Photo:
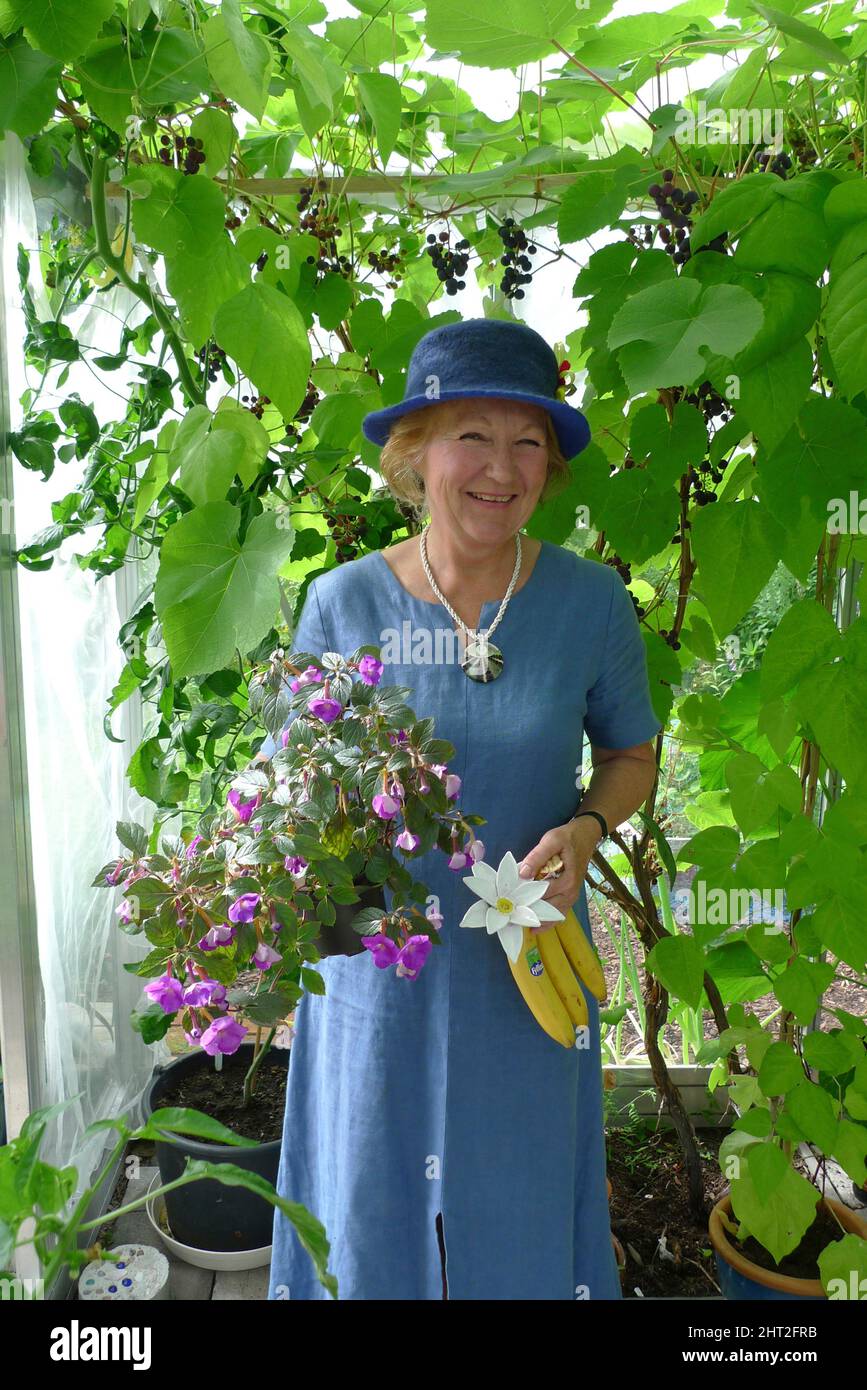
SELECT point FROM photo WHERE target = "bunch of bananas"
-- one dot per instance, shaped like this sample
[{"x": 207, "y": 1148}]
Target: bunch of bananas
[{"x": 552, "y": 966}]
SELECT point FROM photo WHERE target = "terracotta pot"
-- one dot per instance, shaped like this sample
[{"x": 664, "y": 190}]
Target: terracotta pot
[{"x": 740, "y": 1278}]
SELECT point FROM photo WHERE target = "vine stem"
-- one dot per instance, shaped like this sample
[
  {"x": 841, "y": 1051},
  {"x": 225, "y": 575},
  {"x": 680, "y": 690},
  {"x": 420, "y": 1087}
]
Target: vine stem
[{"x": 139, "y": 287}]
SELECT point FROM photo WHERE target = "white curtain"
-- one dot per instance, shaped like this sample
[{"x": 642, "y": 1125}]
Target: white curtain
[{"x": 71, "y": 660}]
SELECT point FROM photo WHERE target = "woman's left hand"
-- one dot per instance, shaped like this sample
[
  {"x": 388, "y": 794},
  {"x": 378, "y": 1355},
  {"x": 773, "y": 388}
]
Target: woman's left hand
[{"x": 575, "y": 843}]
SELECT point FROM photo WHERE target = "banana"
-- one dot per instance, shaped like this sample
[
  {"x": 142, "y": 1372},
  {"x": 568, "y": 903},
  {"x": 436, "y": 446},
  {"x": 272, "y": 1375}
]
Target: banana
[
  {"x": 540, "y": 994},
  {"x": 582, "y": 956},
  {"x": 557, "y": 964}
]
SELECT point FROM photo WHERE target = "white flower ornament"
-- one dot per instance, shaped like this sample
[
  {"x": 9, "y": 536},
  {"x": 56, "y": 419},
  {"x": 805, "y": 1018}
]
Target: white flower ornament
[{"x": 509, "y": 903}]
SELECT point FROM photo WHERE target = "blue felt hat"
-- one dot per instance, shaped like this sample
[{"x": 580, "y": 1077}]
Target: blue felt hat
[{"x": 484, "y": 357}]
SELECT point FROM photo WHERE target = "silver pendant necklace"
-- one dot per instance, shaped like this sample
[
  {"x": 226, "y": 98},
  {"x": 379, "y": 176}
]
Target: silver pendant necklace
[{"x": 481, "y": 661}]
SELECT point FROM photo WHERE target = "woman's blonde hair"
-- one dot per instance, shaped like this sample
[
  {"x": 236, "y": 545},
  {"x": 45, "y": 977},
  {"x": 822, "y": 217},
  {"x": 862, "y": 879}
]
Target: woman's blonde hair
[{"x": 403, "y": 453}]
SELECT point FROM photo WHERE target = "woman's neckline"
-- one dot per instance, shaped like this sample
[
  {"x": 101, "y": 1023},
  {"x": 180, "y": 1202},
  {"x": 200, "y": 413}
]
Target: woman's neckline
[{"x": 493, "y": 603}]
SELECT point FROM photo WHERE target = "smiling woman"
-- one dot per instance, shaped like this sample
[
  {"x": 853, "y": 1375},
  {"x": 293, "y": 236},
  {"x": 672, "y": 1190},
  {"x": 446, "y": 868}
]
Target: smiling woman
[
  {"x": 450, "y": 1145},
  {"x": 403, "y": 453}
]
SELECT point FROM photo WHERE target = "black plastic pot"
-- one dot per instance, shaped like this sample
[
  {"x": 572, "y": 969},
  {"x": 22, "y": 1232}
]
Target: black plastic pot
[
  {"x": 339, "y": 939},
  {"x": 209, "y": 1214}
]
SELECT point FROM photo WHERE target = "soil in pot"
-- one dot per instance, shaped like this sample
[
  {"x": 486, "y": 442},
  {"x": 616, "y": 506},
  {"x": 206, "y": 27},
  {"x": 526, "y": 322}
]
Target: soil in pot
[
  {"x": 220, "y": 1095},
  {"x": 803, "y": 1261}
]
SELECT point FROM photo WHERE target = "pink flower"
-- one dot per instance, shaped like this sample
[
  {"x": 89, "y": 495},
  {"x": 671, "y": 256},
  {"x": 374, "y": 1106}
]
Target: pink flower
[
  {"x": 243, "y": 809},
  {"x": 126, "y": 912},
  {"x": 384, "y": 951},
  {"x": 458, "y": 860},
  {"x": 203, "y": 993},
  {"x": 435, "y": 918},
  {"x": 217, "y": 936},
  {"x": 167, "y": 992},
  {"x": 243, "y": 909},
  {"x": 225, "y": 1035},
  {"x": 370, "y": 670},
  {"x": 385, "y": 806},
  {"x": 412, "y": 956},
  {"x": 265, "y": 956},
  {"x": 308, "y": 677},
  {"x": 453, "y": 785},
  {"x": 476, "y": 850},
  {"x": 194, "y": 1037},
  {"x": 325, "y": 709},
  {"x": 193, "y": 846},
  {"x": 295, "y": 864},
  {"x": 407, "y": 840}
]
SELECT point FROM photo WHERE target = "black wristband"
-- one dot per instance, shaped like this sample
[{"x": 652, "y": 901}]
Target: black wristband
[{"x": 596, "y": 816}]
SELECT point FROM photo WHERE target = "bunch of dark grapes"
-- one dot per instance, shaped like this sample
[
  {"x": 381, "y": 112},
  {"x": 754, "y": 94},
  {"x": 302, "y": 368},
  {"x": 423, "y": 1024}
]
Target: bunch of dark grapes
[
  {"x": 625, "y": 572},
  {"x": 710, "y": 402},
  {"x": 215, "y": 357},
  {"x": 256, "y": 404},
  {"x": 674, "y": 206},
  {"x": 516, "y": 258},
  {"x": 778, "y": 164},
  {"x": 670, "y": 638},
  {"x": 386, "y": 262},
  {"x": 347, "y": 530},
  {"x": 448, "y": 264},
  {"x": 189, "y": 153},
  {"x": 306, "y": 193},
  {"x": 309, "y": 403}
]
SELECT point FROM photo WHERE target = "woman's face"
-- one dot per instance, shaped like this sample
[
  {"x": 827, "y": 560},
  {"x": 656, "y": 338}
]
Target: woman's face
[{"x": 489, "y": 446}]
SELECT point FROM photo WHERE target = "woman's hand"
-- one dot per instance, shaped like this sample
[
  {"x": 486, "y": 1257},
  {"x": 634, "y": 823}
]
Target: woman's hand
[{"x": 574, "y": 842}]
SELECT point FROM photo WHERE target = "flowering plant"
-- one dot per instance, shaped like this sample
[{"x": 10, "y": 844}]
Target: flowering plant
[{"x": 233, "y": 912}]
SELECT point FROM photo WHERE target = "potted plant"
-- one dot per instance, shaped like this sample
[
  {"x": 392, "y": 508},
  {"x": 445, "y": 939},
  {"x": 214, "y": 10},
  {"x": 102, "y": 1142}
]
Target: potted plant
[
  {"x": 238, "y": 914},
  {"x": 38, "y": 1194}
]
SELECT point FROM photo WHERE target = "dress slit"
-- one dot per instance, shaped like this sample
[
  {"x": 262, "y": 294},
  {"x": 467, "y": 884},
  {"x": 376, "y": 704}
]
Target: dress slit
[{"x": 442, "y": 1248}]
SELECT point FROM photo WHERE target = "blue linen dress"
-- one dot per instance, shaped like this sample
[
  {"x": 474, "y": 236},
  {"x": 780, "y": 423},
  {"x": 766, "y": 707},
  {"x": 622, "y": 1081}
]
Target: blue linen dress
[{"x": 406, "y": 1098}]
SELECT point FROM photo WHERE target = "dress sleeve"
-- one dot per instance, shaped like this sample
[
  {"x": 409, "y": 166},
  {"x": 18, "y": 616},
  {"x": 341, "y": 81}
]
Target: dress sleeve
[
  {"x": 619, "y": 708},
  {"x": 309, "y": 636}
]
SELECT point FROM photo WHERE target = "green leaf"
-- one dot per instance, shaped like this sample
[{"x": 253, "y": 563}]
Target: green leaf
[
  {"x": 736, "y": 204},
  {"x": 596, "y": 199},
  {"x": 800, "y": 986},
  {"x": 780, "y": 1070},
  {"x": 737, "y": 546},
  {"x": 175, "y": 213},
  {"x": 215, "y": 595},
  {"x": 661, "y": 331},
  {"x": 199, "y": 293},
  {"x": 239, "y": 59},
  {"x": 669, "y": 445},
  {"x": 636, "y": 515},
  {"x": 754, "y": 793},
  {"x": 505, "y": 33},
  {"x": 777, "y": 1205},
  {"x": 789, "y": 236},
  {"x": 28, "y": 87},
  {"x": 380, "y": 93},
  {"x": 813, "y": 1112},
  {"x": 805, "y": 636},
  {"x": 825, "y": 48},
  {"x": 846, "y": 327},
  {"x": 843, "y": 1267},
  {"x": 678, "y": 962},
  {"x": 133, "y": 836},
  {"x": 63, "y": 28},
  {"x": 772, "y": 393},
  {"x": 265, "y": 334},
  {"x": 833, "y": 702},
  {"x": 208, "y": 458}
]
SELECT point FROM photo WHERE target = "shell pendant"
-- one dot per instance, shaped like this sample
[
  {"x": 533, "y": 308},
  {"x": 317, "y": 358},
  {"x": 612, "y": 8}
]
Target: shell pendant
[{"x": 481, "y": 661}]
